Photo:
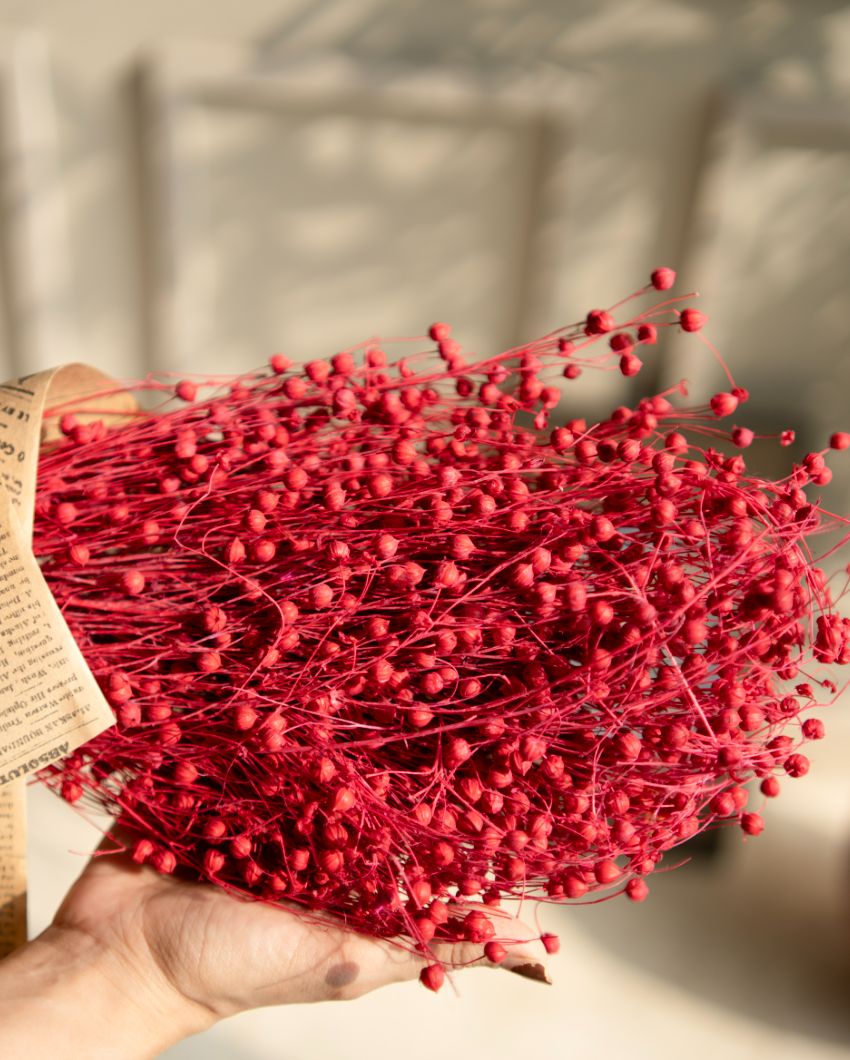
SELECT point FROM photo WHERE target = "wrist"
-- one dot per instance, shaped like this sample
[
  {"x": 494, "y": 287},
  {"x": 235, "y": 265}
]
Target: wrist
[{"x": 70, "y": 994}]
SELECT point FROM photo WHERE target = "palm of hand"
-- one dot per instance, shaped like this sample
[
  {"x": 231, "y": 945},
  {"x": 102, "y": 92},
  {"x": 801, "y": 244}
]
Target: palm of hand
[
  {"x": 220, "y": 952},
  {"x": 224, "y": 954}
]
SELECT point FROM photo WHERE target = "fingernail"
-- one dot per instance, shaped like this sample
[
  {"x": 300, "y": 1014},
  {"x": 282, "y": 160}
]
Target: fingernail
[{"x": 531, "y": 971}]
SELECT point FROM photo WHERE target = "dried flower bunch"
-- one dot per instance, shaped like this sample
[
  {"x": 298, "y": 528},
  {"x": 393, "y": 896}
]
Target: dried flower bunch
[{"x": 377, "y": 637}]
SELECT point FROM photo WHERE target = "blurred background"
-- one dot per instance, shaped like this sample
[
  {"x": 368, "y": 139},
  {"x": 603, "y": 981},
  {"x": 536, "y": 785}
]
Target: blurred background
[{"x": 196, "y": 185}]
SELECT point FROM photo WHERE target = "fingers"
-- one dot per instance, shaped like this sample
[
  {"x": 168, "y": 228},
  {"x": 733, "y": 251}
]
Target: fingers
[{"x": 513, "y": 946}]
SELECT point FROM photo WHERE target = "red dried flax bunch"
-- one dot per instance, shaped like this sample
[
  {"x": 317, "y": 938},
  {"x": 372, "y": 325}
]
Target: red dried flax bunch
[{"x": 374, "y": 645}]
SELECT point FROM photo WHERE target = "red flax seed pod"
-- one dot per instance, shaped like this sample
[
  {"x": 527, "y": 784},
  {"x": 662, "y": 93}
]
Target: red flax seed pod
[
  {"x": 663, "y": 279},
  {"x": 692, "y": 320},
  {"x": 388, "y": 637},
  {"x": 432, "y": 976}
]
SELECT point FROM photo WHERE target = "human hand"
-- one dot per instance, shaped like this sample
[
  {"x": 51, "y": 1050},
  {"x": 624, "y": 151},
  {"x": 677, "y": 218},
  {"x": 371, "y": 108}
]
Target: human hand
[{"x": 142, "y": 959}]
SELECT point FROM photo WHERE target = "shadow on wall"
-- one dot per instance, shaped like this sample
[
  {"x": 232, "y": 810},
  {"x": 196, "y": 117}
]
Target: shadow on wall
[
  {"x": 310, "y": 234},
  {"x": 497, "y": 39}
]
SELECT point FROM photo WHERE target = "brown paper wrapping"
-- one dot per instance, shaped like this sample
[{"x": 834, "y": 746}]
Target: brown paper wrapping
[{"x": 50, "y": 703}]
